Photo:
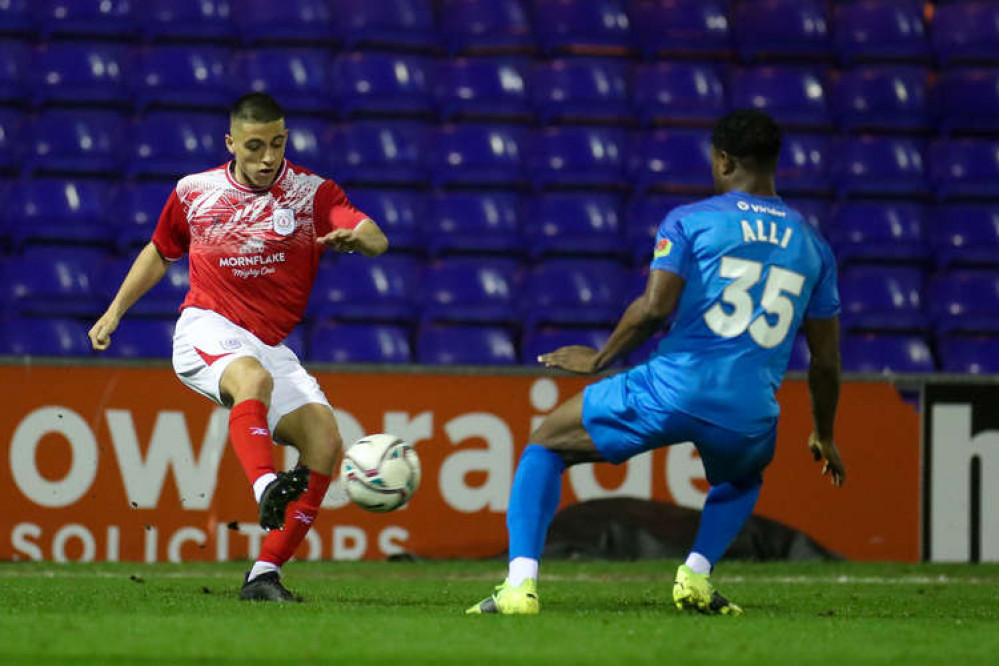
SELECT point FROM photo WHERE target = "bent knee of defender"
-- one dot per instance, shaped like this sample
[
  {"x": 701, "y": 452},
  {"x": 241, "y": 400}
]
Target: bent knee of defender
[{"x": 246, "y": 379}]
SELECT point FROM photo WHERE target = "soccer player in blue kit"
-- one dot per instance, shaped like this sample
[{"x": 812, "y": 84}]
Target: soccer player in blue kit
[{"x": 743, "y": 271}]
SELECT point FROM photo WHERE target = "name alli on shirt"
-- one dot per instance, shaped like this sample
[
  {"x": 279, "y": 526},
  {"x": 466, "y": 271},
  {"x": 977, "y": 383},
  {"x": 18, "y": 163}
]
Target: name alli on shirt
[{"x": 761, "y": 233}]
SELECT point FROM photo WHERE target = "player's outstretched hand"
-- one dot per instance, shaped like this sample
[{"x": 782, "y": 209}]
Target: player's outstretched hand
[
  {"x": 574, "y": 358},
  {"x": 342, "y": 240},
  {"x": 827, "y": 452},
  {"x": 100, "y": 333}
]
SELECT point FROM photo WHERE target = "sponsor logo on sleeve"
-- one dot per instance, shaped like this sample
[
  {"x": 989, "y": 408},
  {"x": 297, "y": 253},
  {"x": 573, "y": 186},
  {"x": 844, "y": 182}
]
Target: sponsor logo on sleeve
[{"x": 663, "y": 248}]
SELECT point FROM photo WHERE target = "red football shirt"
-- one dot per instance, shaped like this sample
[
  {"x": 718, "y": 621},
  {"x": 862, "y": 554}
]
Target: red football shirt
[{"x": 253, "y": 252}]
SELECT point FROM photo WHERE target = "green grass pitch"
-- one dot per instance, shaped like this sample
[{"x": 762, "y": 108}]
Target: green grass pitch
[{"x": 411, "y": 613}]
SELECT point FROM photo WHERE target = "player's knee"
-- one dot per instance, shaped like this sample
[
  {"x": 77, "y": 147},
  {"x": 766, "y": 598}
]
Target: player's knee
[{"x": 257, "y": 382}]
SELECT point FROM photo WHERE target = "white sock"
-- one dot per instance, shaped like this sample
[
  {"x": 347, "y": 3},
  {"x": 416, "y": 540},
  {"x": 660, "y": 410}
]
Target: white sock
[
  {"x": 262, "y": 568},
  {"x": 698, "y": 563},
  {"x": 262, "y": 481},
  {"x": 522, "y": 568}
]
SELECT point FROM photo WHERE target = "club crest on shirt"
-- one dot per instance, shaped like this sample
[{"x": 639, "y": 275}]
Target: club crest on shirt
[{"x": 284, "y": 221}]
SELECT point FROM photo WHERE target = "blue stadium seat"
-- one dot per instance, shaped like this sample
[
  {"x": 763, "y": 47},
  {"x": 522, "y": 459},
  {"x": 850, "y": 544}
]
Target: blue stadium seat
[
  {"x": 393, "y": 24},
  {"x": 582, "y": 156},
  {"x": 967, "y": 100},
  {"x": 401, "y": 214},
  {"x": 187, "y": 20},
  {"x": 965, "y": 168},
  {"x": 171, "y": 145},
  {"x": 58, "y": 211},
  {"x": 56, "y": 281},
  {"x": 878, "y": 231},
  {"x": 307, "y": 142},
  {"x": 575, "y": 292},
  {"x": 881, "y": 298},
  {"x": 135, "y": 209},
  {"x": 581, "y": 90},
  {"x": 545, "y": 339},
  {"x": 362, "y": 288},
  {"x": 794, "y": 96},
  {"x": 769, "y": 29},
  {"x": 85, "y": 18},
  {"x": 582, "y": 26},
  {"x": 11, "y": 146},
  {"x": 381, "y": 83},
  {"x": 296, "y": 342},
  {"x": 677, "y": 159},
  {"x": 814, "y": 212},
  {"x": 43, "y": 337},
  {"x": 645, "y": 214},
  {"x": 965, "y": 301},
  {"x": 485, "y": 26},
  {"x": 332, "y": 342},
  {"x": 803, "y": 165},
  {"x": 16, "y": 18},
  {"x": 75, "y": 142},
  {"x": 967, "y": 354},
  {"x": 476, "y": 155},
  {"x": 378, "y": 153},
  {"x": 882, "y": 98},
  {"x": 471, "y": 290},
  {"x": 573, "y": 224},
  {"x": 873, "y": 165},
  {"x": 800, "y": 355},
  {"x": 465, "y": 345},
  {"x": 875, "y": 353},
  {"x": 482, "y": 89},
  {"x": 79, "y": 73},
  {"x": 474, "y": 222},
  {"x": 678, "y": 92},
  {"x": 142, "y": 338},
  {"x": 966, "y": 32},
  {"x": 297, "y": 78},
  {"x": 871, "y": 30},
  {"x": 15, "y": 58},
  {"x": 163, "y": 300},
  {"x": 965, "y": 234},
  {"x": 261, "y": 21},
  {"x": 187, "y": 76},
  {"x": 681, "y": 27}
]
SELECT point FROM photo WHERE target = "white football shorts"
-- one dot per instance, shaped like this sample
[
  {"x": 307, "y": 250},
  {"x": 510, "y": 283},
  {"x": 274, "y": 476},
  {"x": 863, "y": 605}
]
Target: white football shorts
[{"x": 205, "y": 343}]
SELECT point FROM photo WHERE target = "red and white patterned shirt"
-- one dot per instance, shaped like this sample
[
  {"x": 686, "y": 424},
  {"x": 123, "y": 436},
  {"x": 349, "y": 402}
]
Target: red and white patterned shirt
[{"x": 253, "y": 252}]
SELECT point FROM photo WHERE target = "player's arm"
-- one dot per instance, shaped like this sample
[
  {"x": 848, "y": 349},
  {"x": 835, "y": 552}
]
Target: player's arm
[
  {"x": 147, "y": 269},
  {"x": 366, "y": 238},
  {"x": 823, "y": 386},
  {"x": 640, "y": 321}
]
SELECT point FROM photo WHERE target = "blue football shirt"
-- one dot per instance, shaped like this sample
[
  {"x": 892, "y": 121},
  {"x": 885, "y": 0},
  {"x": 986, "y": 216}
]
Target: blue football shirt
[{"x": 753, "y": 269}]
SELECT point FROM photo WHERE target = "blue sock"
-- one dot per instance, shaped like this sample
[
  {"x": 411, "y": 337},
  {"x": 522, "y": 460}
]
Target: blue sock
[
  {"x": 537, "y": 488},
  {"x": 728, "y": 507}
]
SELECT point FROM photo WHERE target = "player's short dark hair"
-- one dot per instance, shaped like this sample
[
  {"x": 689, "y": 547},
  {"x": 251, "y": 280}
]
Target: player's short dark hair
[
  {"x": 255, "y": 107},
  {"x": 751, "y": 137}
]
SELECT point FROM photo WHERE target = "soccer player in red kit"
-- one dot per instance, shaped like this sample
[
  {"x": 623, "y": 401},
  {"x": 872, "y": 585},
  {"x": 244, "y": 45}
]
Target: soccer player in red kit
[{"x": 254, "y": 228}]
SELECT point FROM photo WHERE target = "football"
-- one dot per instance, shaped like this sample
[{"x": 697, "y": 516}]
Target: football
[{"x": 380, "y": 472}]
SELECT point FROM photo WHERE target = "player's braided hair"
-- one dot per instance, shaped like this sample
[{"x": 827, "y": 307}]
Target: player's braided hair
[
  {"x": 751, "y": 137},
  {"x": 255, "y": 107}
]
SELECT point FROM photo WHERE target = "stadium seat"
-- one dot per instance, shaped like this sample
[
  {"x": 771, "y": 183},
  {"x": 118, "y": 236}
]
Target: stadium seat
[
  {"x": 678, "y": 92},
  {"x": 485, "y": 26},
  {"x": 362, "y": 288},
  {"x": 769, "y": 29},
  {"x": 187, "y": 20},
  {"x": 874, "y": 353},
  {"x": 581, "y": 90},
  {"x": 582, "y": 26},
  {"x": 401, "y": 214},
  {"x": 803, "y": 165},
  {"x": 681, "y": 27},
  {"x": 882, "y": 98},
  {"x": 573, "y": 224},
  {"x": 171, "y": 145},
  {"x": 966, "y": 32},
  {"x": 85, "y": 18},
  {"x": 575, "y": 292},
  {"x": 671, "y": 159},
  {"x": 476, "y": 155},
  {"x": 378, "y": 153},
  {"x": 965, "y": 168},
  {"x": 79, "y": 73},
  {"x": 878, "y": 231},
  {"x": 262, "y": 21},
  {"x": 43, "y": 337},
  {"x": 11, "y": 147},
  {"x": 967, "y": 100},
  {"x": 973, "y": 355},
  {"x": 470, "y": 290},
  {"x": 879, "y": 165},
  {"x": 332, "y": 342},
  {"x": 800, "y": 357},
  {"x": 135, "y": 210},
  {"x": 307, "y": 142},
  {"x": 380, "y": 83},
  {"x": 58, "y": 211},
  {"x": 794, "y": 96},
  {"x": 15, "y": 58},
  {"x": 163, "y": 300},
  {"x": 474, "y": 222},
  {"x": 814, "y": 212},
  {"x": 645, "y": 214},
  {"x": 142, "y": 338},
  {"x": 965, "y": 301},
  {"x": 965, "y": 234},
  {"x": 580, "y": 156},
  {"x": 78, "y": 142},
  {"x": 394, "y": 24},
  {"x": 872, "y": 30},
  {"x": 56, "y": 281},
  {"x": 297, "y": 78},
  {"x": 879, "y": 298},
  {"x": 545, "y": 339},
  {"x": 186, "y": 76},
  {"x": 465, "y": 345},
  {"x": 482, "y": 89},
  {"x": 16, "y": 17}
]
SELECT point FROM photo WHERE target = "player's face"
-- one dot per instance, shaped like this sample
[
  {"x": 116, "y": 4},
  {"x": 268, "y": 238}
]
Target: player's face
[{"x": 258, "y": 149}]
